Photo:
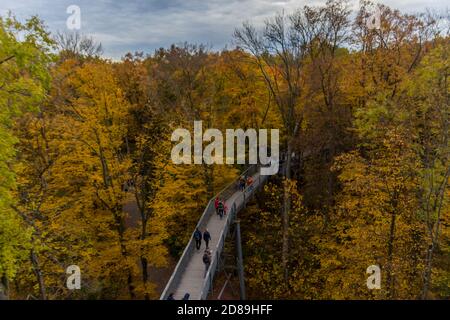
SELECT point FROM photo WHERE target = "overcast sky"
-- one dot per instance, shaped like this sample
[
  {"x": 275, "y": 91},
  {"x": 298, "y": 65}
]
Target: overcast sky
[{"x": 145, "y": 25}]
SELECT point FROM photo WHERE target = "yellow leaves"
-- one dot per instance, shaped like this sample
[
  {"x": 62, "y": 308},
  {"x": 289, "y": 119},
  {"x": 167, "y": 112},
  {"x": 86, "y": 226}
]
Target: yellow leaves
[
  {"x": 76, "y": 181},
  {"x": 183, "y": 195},
  {"x": 105, "y": 128},
  {"x": 377, "y": 209},
  {"x": 263, "y": 245}
]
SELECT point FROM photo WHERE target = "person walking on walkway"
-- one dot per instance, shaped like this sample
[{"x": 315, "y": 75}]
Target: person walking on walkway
[
  {"x": 171, "y": 297},
  {"x": 242, "y": 183},
  {"x": 220, "y": 209},
  {"x": 207, "y": 260},
  {"x": 250, "y": 183},
  {"x": 216, "y": 204},
  {"x": 198, "y": 238},
  {"x": 206, "y": 237}
]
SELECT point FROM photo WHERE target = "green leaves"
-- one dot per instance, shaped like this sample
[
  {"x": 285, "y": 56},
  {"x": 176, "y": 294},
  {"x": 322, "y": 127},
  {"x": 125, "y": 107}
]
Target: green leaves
[{"x": 24, "y": 78}]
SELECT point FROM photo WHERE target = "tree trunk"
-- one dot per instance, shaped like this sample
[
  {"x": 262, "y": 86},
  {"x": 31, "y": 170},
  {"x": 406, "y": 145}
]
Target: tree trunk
[
  {"x": 427, "y": 274},
  {"x": 390, "y": 277},
  {"x": 4, "y": 288},
  {"x": 144, "y": 265},
  {"x": 144, "y": 261},
  {"x": 285, "y": 214},
  {"x": 130, "y": 284},
  {"x": 434, "y": 237},
  {"x": 38, "y": 272},
  {"x": 121, "y": 230}
]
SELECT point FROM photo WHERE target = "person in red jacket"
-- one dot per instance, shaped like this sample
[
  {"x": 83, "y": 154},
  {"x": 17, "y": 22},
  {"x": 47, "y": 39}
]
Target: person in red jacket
[{"x": 216, "y": 204}]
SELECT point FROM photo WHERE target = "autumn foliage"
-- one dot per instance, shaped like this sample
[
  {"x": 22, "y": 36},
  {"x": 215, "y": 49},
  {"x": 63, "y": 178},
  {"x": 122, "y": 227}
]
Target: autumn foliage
[{"x": 86, "y": 176}]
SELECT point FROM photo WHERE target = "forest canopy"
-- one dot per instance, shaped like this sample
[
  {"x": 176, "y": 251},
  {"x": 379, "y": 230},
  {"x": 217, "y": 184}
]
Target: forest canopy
[{"x": 86, "y": 177}]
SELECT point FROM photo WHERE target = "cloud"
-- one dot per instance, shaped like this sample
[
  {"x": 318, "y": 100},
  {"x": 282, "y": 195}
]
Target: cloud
[{"x": 143, "y": 25}]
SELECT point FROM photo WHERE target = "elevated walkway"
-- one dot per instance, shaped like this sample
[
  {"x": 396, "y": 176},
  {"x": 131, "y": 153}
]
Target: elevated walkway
[{"x": 189, "y": 274}]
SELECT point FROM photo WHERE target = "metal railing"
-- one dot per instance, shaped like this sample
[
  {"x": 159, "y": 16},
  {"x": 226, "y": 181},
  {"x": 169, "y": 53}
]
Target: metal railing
[{"x": 225, "y": 193}]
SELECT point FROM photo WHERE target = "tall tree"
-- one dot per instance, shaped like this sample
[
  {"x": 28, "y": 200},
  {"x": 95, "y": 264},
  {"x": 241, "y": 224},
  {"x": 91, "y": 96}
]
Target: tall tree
[
  {"x": 24, "y": 58},
  {"x": 280, "y": 52}
]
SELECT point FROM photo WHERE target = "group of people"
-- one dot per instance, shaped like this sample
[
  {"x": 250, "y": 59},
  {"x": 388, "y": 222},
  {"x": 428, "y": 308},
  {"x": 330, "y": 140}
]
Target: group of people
[
  {"x": 221, "y": 207},
  {"x": 206, "y": 236},
  {"x": 221, "y": 210},
  {"x": 245, "y": 182},
  {"x": 171, "y": 296},
  {"x": 198, "y": 236}
]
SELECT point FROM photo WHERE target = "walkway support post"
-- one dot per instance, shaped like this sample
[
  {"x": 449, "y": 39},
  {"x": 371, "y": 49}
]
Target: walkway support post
[{"x": 240, "y": 262}]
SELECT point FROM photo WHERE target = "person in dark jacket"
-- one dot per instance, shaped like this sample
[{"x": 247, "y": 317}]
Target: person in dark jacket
[
  {"x": 207, "y": 260},
  {"x": 206, "y": 237},
  {"x": 221, "y": 209},
  {"x": 242, "y": 183},
  {"x": 198, "y": 238},
  {"x": 170, "y": 297},
  {"x": 186, "y": 296}
]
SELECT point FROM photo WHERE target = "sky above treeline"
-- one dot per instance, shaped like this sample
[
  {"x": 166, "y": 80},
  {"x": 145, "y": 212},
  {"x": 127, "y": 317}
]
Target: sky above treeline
[{"x": 145, "y": 25}]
